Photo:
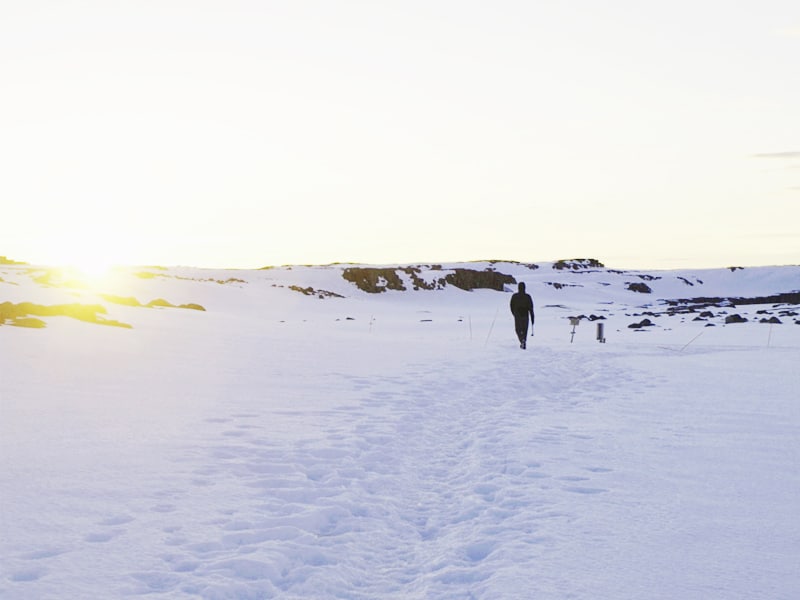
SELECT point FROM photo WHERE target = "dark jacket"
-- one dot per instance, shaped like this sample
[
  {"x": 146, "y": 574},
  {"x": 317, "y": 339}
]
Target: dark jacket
[{"x": 522, "y": 304}]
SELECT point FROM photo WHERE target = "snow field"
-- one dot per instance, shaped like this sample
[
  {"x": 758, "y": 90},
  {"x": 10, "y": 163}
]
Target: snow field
[{"x": 269, "y": 450}]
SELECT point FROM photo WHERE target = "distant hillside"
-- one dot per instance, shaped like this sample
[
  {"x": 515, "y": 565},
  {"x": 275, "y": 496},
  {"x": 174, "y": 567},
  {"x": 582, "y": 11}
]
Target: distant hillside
[{"x": 32, "y": 295}]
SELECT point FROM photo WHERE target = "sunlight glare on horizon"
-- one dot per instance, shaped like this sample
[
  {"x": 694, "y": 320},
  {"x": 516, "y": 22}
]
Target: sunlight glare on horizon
[{"x": 90, "y": 253}]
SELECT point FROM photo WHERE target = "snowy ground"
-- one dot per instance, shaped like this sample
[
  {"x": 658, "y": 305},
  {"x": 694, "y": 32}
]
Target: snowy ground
[{"x": 270, "y": 447}]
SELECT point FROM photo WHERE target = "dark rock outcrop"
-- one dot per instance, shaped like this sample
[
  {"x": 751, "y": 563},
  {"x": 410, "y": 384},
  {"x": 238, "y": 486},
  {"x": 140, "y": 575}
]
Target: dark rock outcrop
[
  {"x": 310, "y": 291},
  {"x": 641, "y": 324},
  {"x": 792, "y": 298},
  {"x": 530, "y": 266},
  {"x": 560, "y": 286},
  {"x": 641, "y": 288},
  {"x": 578, "y": 264},
  {"x": 419, "y": 283},
  {"x": 469, "y": 279},
  {"x": 376, "y": 279},
  {"x": 735, "y": 319}
]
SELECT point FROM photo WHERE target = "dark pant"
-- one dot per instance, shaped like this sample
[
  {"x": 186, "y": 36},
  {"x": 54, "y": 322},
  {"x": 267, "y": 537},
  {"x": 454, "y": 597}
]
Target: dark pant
[{"x": 521, "y": 326}]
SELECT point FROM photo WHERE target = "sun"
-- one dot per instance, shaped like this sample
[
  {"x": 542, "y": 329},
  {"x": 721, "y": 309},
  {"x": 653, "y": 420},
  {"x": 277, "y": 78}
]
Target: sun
[
  {"x": 96, "y": 267},
  {"x": 92, "y": 264},
  {"x": 88, "y": 260}
]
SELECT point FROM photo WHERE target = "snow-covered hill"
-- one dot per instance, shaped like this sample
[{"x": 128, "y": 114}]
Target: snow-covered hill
[
  {"x": 294, "y": 432},
  {"x": 575, "y": 288}
]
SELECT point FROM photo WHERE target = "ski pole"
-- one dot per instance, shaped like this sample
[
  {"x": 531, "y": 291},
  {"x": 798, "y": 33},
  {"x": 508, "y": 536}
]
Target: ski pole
[
  {"x": 492, "y": 326},
  {"x": 691, "y": 340}
]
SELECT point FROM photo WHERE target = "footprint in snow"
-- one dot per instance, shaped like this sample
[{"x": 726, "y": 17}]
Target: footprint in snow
[
  {"x": 487, "y": 491},
  {"x": 585, "y": 490},
  {"x": 44, "y": 553},
  {"x": 28, "y": 574},
  {"x": 117, "y": 520},
  {"x": 102, "y": 536},
  {"x": 234, "y": 433},
  {"x": 156, "y": 582},
  {"x": 479, "y": 550},
  {"x": 599, "y": 469}
]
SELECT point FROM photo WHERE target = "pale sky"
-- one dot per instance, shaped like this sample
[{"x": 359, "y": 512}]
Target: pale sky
[{"x": 234, "y": 133}]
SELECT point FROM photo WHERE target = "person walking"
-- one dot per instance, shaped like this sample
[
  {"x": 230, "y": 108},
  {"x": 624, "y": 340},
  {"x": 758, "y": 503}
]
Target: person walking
[{"x": 521, "y": 307}]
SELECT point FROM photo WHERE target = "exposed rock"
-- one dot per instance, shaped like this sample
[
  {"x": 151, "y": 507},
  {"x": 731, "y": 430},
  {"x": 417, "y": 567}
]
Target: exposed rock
[
  {"x": 736, "y": 318},
  {"x": 530, "y": 266},
  {"x": 560, "y": 286},
  {"x": 161, "y": 303},
  {"x": 17, "y": 313},
  {"x": 773, "y": 320},
  {"x": 51, "y": 277},
  {"x": 7, "y": 261},
  {"x": 680, "y": 310},
  {"x": 419, "y": 283},
  {"x": 641, "y": 288},
  {"x": 641, "y": 324},
  {"x": 373, "y": 279},
  {"x": 209, "y": 279},
  {"x": 782, "y": 298},
  {"x": 147, "y": 275},
  {"x": 310, "y": 291},
  {"x": 30, "y": 322},
  {"x": 468, "y": 279},
  {"x": 126, "y": 301},
  {"x": 578, "y": 264},
  {"x": 376, "y": 280},
  {"x": 192, "y": 306}
]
